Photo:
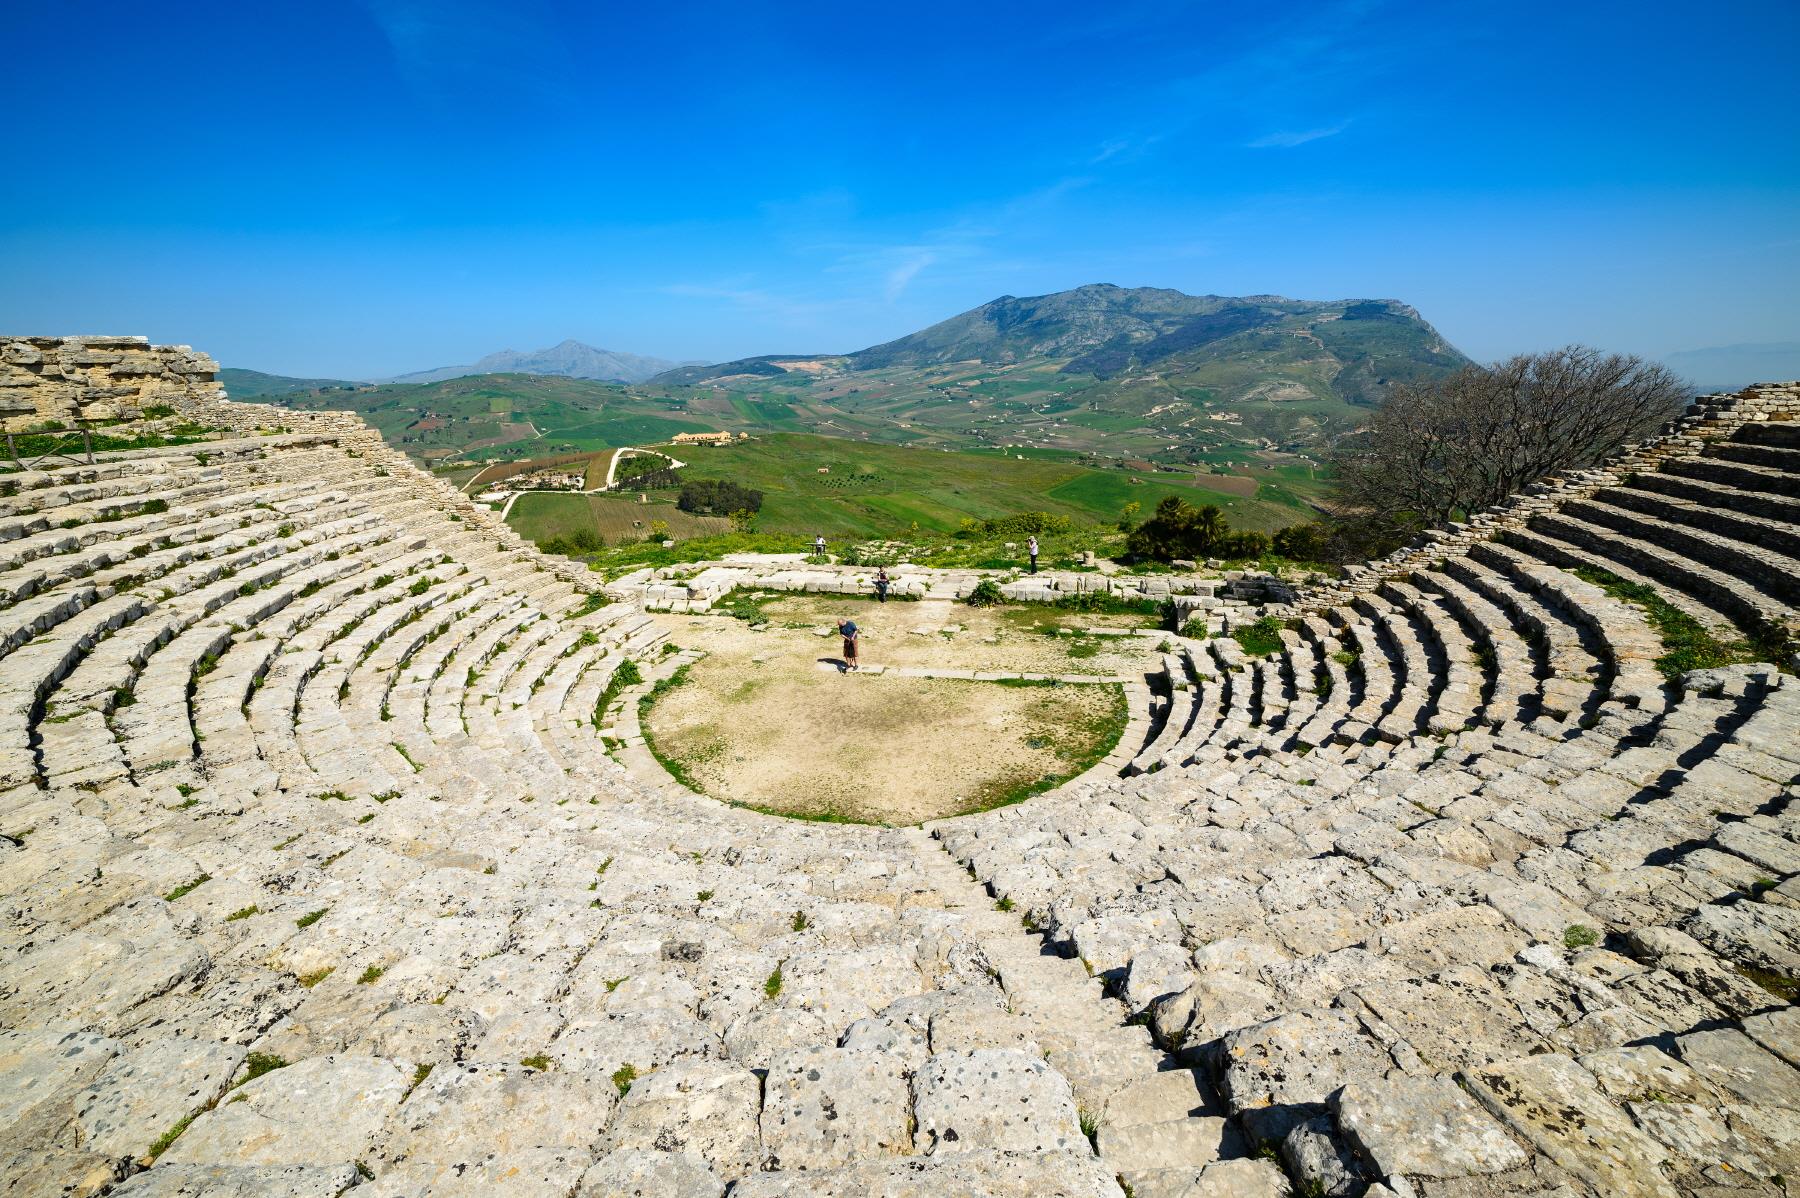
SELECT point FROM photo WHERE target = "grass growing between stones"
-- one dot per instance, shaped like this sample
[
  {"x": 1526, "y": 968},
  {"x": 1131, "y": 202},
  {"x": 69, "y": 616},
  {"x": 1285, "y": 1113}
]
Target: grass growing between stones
[
  {"x": 259, "y": 1063},
  {"x": 627, "y": 675},
  {"x": 187, "y": 888},
  {"x": 1260, "y": 638},
  {"x": 1785, "y": 988},
  {"x": 1687, "y": 643}
]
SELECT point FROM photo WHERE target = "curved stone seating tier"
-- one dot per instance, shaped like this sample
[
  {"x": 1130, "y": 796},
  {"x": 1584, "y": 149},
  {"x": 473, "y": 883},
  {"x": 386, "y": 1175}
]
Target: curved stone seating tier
[{"x": 324, "y": 869}]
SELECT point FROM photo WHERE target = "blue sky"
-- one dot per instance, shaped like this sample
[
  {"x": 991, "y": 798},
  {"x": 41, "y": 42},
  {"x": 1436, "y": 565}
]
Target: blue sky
[{"x": 364, "y": 188}]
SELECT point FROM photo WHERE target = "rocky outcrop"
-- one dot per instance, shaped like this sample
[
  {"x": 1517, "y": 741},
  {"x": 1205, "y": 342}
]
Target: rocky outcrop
[{"x": 65, "y": 381}]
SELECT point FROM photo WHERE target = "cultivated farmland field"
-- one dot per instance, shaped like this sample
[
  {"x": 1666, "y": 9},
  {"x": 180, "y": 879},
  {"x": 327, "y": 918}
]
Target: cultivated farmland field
[
  {"x": 844, "y": 488},
  {"x": 544, "y": 515}
]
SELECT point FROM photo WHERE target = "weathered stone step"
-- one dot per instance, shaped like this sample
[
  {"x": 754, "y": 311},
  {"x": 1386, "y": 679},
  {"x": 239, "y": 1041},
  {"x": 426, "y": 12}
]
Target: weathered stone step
[
  {"x": 1785, "y": 433},
  {"x": 1775, "y": 457},
  {"x": 1758, "y": 528},
  {"x": 1719, "y": 495},
  {"x": 1716, "y": 598},
  {"x": 1748, "y": 477}
]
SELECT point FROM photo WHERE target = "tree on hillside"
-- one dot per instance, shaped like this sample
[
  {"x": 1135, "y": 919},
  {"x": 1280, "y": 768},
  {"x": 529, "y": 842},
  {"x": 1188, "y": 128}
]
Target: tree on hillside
[
  {"x": 1437, "y": 451},
  {"x": 714, "y": 496},
  {"x": 1177, "y": 529}
]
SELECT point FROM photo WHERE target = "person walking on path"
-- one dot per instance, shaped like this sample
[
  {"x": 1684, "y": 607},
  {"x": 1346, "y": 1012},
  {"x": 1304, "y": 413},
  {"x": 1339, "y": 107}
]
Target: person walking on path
[
  {"x": 881, "y": 583},
  {"x": 1031, "y": 547},
  {"x": 819, "y": 545},
  {"x": 847, "y": 630}
]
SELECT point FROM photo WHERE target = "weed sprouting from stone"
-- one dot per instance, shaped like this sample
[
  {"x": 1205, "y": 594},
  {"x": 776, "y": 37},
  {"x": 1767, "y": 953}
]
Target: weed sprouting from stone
[
  {"x": 1579, "y": 936},
  {"x": 187, "y": 887}
]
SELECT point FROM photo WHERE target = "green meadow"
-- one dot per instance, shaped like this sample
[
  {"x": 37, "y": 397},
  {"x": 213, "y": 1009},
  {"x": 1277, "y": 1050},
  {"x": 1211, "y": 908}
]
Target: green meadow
[{"x": 846, "y": 489}]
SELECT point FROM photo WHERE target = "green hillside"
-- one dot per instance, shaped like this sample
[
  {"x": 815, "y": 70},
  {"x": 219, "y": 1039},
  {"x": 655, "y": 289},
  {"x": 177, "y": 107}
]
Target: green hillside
[
  {"x": 1101, "y": 375},
  {"x": 247, "y": 384},
  {"x": 852, "y": 490},
  {"x": 1117, "y": 372},
  {"x": 498, "y": 417}
]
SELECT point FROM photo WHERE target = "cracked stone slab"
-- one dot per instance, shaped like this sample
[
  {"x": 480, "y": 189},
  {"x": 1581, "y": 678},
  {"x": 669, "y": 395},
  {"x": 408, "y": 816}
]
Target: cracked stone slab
[
  {"x": 979, "y": 1174},
  {"x": 468, "y": 1112},
  {"x": 527, "y": 1173},
  {"x": 1301, "y": 1057},
  {"x": 1556, "y": 1106},
  {"x": 1423, "y": 1127},
  {"x": 638, "y": 1173},
  {"x": 708, "y": 1108},
  {"x": 146, "y": 1091},
  {"x": 1737, "y": 1064},
  {"x": 276, "y": 1120},
  {"x": 40, "y": 1065},
  {"x": 241, "y": 1181}
]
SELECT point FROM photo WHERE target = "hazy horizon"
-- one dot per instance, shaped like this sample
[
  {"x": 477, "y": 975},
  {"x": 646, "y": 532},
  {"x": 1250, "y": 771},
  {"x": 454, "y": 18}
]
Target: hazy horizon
[{"x": 361, "y": 190}]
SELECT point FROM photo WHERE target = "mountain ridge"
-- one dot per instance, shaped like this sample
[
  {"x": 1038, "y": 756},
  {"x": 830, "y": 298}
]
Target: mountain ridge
[
  {"x": 568, "y": 358},
  {"x": 1108, "y": 331}
]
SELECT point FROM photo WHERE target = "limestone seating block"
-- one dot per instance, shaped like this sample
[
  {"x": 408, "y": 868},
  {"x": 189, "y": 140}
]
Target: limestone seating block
[
  {"x": 146, "y": 1091},
  {"x": 277, "y": 1122},
  {"x": 994, "y": 1099},
  {"x": 979, "y": 1174},
  {"x": 826, "y": 1107},
  {"x": 465, "y": 1112},
  {"x": 1424, "y": 1127},
  {"x": 241, "y": 1181},
  {"x": 707, "y": 1108}
]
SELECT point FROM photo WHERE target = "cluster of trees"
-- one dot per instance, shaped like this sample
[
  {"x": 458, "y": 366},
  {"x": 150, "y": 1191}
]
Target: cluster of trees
[
  {"x": 650, "y": 478},
  {"x": 1178, "y": 529},
  {"x": 717, "y": 497},
  {"x": 1441, "y": 451},
  {"x": 1019, "y": 524}
]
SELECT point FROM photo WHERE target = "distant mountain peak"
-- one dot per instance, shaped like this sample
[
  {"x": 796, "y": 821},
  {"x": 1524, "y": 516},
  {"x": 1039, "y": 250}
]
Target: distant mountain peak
[
  {"x": 1230, "y": 346},
  {"x": 568, "y": 358}
]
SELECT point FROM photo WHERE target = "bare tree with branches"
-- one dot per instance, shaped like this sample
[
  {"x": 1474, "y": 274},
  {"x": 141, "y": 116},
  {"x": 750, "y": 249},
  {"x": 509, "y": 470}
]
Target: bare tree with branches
[{"x": 1438, "y": 451}]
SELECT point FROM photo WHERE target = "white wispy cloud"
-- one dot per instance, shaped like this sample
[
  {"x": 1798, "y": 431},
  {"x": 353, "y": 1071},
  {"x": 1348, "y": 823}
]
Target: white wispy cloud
[
  {"x": 1288, "y": 138},
  {"x": 901, "y": 275}
]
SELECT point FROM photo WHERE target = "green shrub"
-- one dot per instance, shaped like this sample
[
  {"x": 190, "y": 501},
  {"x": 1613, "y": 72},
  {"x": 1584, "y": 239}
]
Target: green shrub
[
  {"x": 986, "y": 594},
  {"x": 1579, "y": 936},
  {"x": 1019, "y": 524}
]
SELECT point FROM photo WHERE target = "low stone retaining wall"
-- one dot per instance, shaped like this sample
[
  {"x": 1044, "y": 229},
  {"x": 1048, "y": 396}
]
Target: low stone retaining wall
[{"x": 697, "y": 587}]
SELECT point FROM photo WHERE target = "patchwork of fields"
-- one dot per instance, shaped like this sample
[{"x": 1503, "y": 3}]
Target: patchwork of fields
[{"x": 853, "y": 489}]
